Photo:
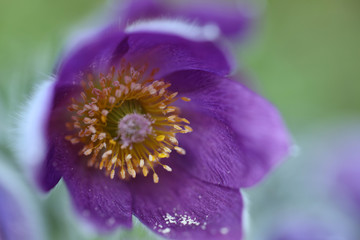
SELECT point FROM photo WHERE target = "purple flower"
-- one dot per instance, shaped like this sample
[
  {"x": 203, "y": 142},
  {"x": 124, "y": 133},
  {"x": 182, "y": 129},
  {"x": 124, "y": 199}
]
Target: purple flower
[
  {"x": 349, "y": 182},
  {"x": 18, "y": 216},
  {"x": 307, "y": 228},
  {"x": 232, "y": 18},
  {"x": 346, "y": 170},
  {"x": 146, "y": 121}
]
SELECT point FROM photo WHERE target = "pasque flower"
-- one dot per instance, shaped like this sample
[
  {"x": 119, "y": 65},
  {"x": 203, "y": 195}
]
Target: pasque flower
[
  {"x": 19, "y": 218},
  {"x": 146, "y": 121},
  {"x": 306, "y": 228},
  {"x": 325, "y": 202},
  {"x": 346, "y": 170}
]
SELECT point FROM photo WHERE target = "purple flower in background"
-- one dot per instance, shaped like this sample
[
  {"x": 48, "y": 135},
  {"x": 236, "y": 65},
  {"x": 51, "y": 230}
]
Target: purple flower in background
[
  {"x": 146, "y": 121},
  {"x": 349, "y": 181},
  {"x": 306, "y": 228},
  {"x": 347, "y": 170},
  {"x": 13, "y": 223},
  {"x": 231, "y": 17},
  {"x": 18, "y": 216}
]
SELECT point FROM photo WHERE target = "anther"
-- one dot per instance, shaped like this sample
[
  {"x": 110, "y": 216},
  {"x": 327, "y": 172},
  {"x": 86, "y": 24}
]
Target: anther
[
  {"x": 92, "y": 129},
  {"x": 185, "y": 121},
  {"x": 132, "y": 173},
  {"x": 88, "y": 152},
  {"x": 114, "y": 159},
  {"x": 112, "y": 174},
  {"x": 172, "y": 118},
  {"x": 173, "y": 140},
  {"x": 75, "y": 140},
  {"x": 177, "y": 127},
  {"x": 142, "y": 162},
  {"x": 163, "y": 155},
  {"x": 112, "y": 100},
  {"x": 145, "y": 171},
  {"x": 186, "y": 99},
  {"x": 106, "y": 154},
  {"x": 122, "y": 173},
  {"x": 170, "y": 109},
  {"x": 118, "y": 93},
  {"x": 102, "y": 136},
  {"x": 166, "y": 149},
  {"x": 188, "y": 129},
  {"x": 167, "y": 168},
  {"x": 180, "y": 150},
  {"x": 173, "y": 95},
  {"x": 160, "y": 138},
  {"x": 128, "y": 157},
  {"x": 155, "y": 178}
]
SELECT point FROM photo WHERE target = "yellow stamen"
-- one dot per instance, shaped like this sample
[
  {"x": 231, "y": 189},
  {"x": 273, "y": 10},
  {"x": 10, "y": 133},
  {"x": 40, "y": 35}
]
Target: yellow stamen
[
  {"x": 160, "y": 138},
  {"x": 98, "y": 116},
  {"x": 186, "y": 99},
  {"x": 163, "y": 155},
  {"x": 145, "y": 171},
  {"x": 155, "y": 178}
]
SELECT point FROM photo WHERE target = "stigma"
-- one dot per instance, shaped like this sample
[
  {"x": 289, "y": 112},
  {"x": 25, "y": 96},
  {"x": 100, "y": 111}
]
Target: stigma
[{"x": 126, "y": 122}]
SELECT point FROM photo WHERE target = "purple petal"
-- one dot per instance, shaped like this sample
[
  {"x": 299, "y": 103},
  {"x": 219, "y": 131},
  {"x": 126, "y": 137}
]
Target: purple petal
[
  {"x": 238, "y": 136},
  {"x": 20, "y": 217},
  {"x": 105, "y": 202},
  {"x": 310, "y": 227},
  {"x": 13, "y": 222},
  {"x": 170, "y": 53},
  {"x": 94, "y": 54},
  {"x": 232, "y": 18},
  {"x": 167, "y": 53},
  {"x": 32, "y": 147},
  {"x": 47, "y": 175},
  {"x": 182, "y": 207},
  {"x": 347, "y": 181},
  {"x": 162, "y": 51}
]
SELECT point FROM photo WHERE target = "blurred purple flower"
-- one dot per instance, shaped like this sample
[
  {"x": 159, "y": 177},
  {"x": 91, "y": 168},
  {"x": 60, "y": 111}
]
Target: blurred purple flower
[
  {"x": 325, "y": 202},
  {"x": 13, "y": 223},
  {"x": 18, "y": 220},
  {"x": 347, "y": 171},
  {"x": 230, "y": 17},
  {"x": 306, "y": 228},
  {"x": 171, "y": 85}
]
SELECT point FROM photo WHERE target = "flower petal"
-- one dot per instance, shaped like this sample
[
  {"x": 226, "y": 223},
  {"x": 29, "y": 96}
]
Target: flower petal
[
  {"x": 182, "y": 207},
  {"x": 103, "y": 201},
  {"x": 13, "y": 224},
  {"x": 94, "y": 54},
  {"x": 32, "y": 145},
  {"x": 232, "y": 18},
  {"x": 176, "y": 27},
  {"x": 169, "y": 53},
  {"x": 142, "y": 45},
  {"x": 238, "y": 136},
  {"x": 20, "y": 215}
]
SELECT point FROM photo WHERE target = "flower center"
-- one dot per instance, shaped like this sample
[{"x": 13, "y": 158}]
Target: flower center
[
  {"x": 133, "y": 128},
  {"x": 126, "y": 122}
]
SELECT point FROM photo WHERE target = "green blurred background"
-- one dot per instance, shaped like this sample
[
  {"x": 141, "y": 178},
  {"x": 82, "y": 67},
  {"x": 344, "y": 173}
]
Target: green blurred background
[
  {"x": 304, "y": 54},
  {"x": 304, "y": 57}
]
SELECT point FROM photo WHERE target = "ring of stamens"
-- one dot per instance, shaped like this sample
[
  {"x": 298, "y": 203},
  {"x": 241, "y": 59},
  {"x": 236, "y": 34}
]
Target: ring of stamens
[{"x": 126, "y": 122}]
